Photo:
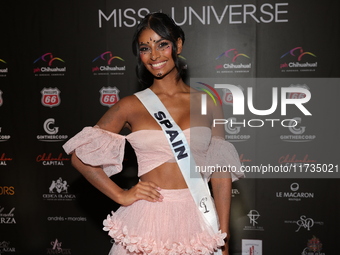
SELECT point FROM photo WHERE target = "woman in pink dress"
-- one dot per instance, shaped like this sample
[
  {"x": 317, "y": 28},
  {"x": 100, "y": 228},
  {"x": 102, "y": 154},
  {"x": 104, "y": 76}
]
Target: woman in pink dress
[{"x": 157, "y": 215}]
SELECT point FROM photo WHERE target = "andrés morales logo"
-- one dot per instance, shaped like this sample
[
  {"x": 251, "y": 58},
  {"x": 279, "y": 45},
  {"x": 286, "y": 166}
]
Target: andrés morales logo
[
  {"x": 48, "y": 65},
  {"x": 106, "y": 67}
]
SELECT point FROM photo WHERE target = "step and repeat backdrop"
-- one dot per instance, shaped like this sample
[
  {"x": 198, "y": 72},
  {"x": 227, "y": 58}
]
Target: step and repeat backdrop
[{"x": 272, "y": 65}]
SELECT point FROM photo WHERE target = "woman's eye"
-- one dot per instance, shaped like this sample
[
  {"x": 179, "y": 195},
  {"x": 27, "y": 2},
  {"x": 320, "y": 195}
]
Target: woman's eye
[
  {"x": 163, "y": 46},
  {"x": 144, "y": 49}
]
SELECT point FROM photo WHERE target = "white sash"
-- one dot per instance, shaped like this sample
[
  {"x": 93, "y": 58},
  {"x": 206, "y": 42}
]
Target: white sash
[{"x": 197, "y": 185}]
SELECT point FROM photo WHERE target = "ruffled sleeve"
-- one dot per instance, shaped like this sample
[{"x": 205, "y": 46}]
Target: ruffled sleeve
[
  {"x": 98, "y": 147},
  {"x": 223, "y": 154}
]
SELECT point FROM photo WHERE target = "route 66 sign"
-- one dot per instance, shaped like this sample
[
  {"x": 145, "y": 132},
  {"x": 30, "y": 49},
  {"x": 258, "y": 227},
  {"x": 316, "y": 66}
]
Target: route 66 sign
[
  {"x": 50, "y": 97},
  {"x": 109, "y": 96}
]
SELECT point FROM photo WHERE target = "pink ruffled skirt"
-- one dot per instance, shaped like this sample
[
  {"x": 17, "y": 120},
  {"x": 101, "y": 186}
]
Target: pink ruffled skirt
[{"x": 174, "y": 226}]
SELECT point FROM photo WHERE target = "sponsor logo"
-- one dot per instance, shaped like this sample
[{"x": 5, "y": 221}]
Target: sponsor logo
[
  {"x": 236, "y": 62},
  {"x": 251, "y": 247},
  {"x": 294, "y": 194},
  {"x": 52, "y": 132},
  {"x": 108, "y": 64},
  {"x": 297, "y": 163},
  {"x": 233, "y": 132},
  {"x": 314, "y": 247},
  {"x": 3, "y": 68},
  {"x": 58, "y": 191},
  {"x": 6, "y": 248},
  {"x": 297, "y": 132},
  {"x": 48, "y": 65},
  {"x": 3, "y": 138},
  {"x": 47, "y": 159},
  {"x": 253, "y": 216},
  {"x": 66, "y": 219},
  {"x": 109, "y": 96},
  {"x": 57, "y": 248},
  {"x": 235, "y": 192},
  {"x": 298, "y": 60},
  {"x": 7, "y": 217},
  {"x": 7, "y": 190},
  {"x": 50, "y": 97},
  {"x": 304, "y": 223},
  {"x": 4, "y": 159}
]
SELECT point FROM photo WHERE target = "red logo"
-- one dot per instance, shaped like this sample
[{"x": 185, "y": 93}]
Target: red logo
[
  {"x": 50, "y": 97},
  {"x": 228, "y": 96},
  {"x": 109, "y": 96}
]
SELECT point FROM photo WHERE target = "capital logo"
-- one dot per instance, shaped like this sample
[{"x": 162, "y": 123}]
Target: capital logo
[
  {"x": 294, "y": 61},
  {"x": 105, "y": 64},
  {"x": 47, "y": 159},
  {"x": 234, "y": 58},
  {"x": 109, "y": 96},
  {"x": 50, "y": 97},
  {"x": 47, "y": 65},
  {"x": 4, "y": 159}
]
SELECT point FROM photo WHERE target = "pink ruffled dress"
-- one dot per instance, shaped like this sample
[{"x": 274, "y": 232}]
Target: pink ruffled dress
[{"x": 173, "y": 226}]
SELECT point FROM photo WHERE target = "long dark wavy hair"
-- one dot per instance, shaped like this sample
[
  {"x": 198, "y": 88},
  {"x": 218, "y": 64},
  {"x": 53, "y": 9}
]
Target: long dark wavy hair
[{"x": 166, "y": 28}]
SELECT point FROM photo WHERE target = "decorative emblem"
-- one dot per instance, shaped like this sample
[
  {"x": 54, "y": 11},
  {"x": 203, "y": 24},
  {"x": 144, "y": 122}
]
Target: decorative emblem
[
  {"x": 203, "y": 204},
  {"x": 50, "y": 97},
  {"x": 109, "y": 96}
]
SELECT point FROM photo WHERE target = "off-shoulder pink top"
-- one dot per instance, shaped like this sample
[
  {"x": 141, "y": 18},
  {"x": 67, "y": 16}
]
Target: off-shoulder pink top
[{"x": 98, "y": 147}]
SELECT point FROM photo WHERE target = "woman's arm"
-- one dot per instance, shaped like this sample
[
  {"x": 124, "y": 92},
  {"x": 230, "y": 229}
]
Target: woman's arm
[
  {"x": 97, "y": 177},
  {"x": 114, "y": 120}
]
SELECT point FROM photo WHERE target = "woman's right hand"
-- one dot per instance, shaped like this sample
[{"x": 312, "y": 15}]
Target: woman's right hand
[{"x": 143, "y": 190}]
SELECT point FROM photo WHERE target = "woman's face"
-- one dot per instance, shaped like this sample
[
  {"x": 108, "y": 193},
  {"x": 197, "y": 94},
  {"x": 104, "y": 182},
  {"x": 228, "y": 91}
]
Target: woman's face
[{"x": 156, "y": 53}]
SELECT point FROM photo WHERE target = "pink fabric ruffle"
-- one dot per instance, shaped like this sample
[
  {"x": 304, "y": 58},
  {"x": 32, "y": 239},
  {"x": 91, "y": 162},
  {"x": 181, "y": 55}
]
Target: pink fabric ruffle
[
  {"x": 162, "y": 228},
  {"x": 98, "y": 147},
  {"x": 223, "y": 153}
]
